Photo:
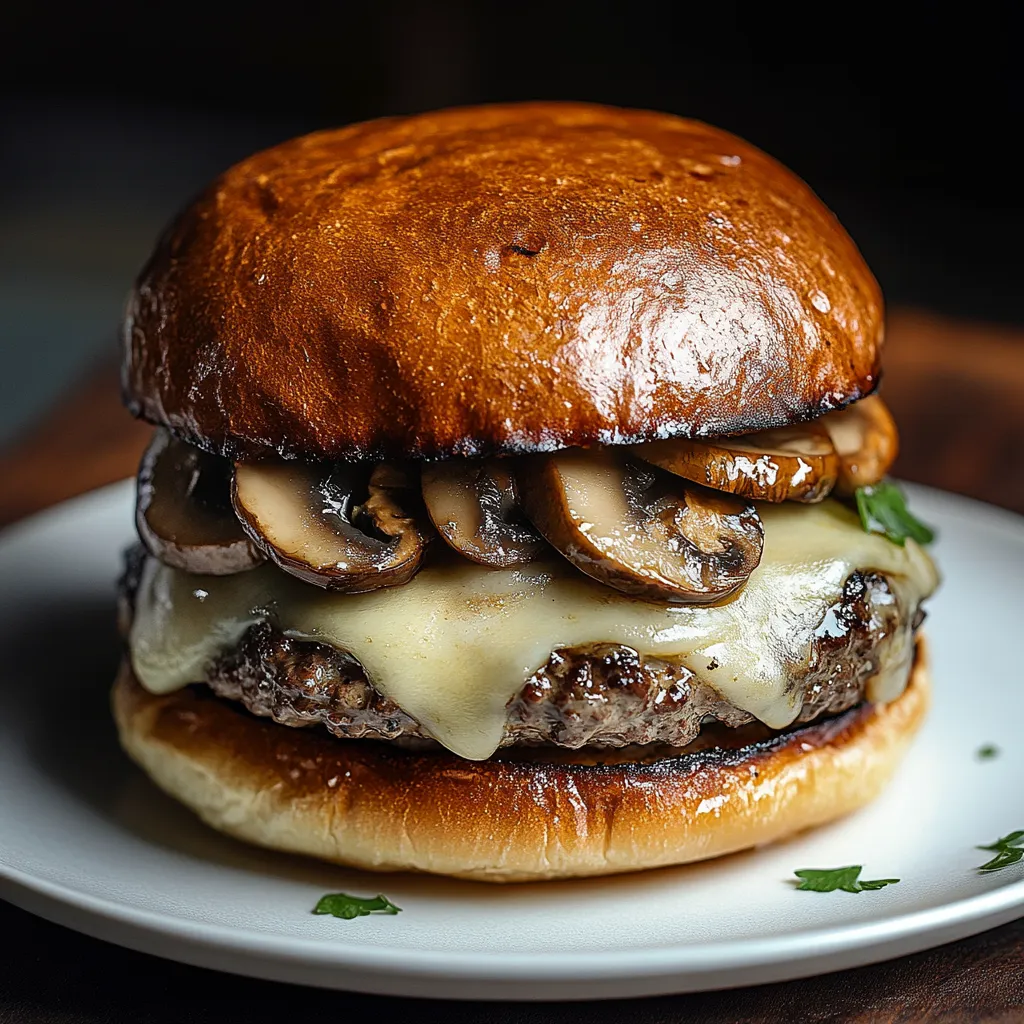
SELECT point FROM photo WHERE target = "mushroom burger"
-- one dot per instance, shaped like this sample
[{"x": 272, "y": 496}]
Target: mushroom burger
[{"x": 516, "y": 504}]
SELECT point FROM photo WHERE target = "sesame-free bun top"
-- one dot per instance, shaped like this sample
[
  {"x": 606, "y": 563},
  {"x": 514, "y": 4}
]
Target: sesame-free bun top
[{"x": 499, "y": 279}]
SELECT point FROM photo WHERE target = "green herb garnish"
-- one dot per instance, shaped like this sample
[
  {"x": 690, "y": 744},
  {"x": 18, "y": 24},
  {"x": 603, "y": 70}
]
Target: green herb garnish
[
  {"x": 830, "y": 879},
  {"x": 1008, "y": 850},
  {"x": 340, "y": 904},
  {"x": 987, "y": 753},
  {"x": 883, "y": 509}
]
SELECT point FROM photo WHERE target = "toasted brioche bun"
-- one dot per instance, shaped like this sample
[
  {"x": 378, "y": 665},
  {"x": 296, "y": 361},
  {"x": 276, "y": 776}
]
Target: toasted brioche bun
[
  {"x": 375, "y": 806},
  {"x": 499, "y": 279}
]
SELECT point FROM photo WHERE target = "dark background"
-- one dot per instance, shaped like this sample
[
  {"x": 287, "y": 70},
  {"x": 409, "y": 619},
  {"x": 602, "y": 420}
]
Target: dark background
[{"x": 112, "y": 115}]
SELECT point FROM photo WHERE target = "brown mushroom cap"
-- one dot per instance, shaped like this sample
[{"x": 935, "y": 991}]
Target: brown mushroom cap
[
  {"x": 867, "y": 441},
  {"x": 797, "y": 463},
  {"x": 183, "y": 510},
  {"x": 499, "y": 279},
  {"x": 330, "y": 525},
  {"x": 475, "y": 507},
  {"x": 640, "y": 531}
]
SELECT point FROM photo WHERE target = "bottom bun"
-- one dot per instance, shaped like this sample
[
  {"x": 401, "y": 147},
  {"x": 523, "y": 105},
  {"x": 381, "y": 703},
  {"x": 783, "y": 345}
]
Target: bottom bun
[{"x": 376, "y": 806}]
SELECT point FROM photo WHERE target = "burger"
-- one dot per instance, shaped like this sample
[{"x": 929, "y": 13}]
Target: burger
[{"x": 516, "y": 504}]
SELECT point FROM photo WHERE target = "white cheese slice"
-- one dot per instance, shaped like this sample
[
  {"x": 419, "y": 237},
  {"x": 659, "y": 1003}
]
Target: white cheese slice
[{"x": 457, "y": 642}]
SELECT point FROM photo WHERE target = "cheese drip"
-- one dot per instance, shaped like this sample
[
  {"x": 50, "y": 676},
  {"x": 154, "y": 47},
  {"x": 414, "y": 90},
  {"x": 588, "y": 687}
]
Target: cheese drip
[{"x": 456, "y": 643}]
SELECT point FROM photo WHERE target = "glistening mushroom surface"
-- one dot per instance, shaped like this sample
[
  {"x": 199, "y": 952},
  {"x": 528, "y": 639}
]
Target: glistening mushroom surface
[
  {"x": 475, "y": 507},
  {"x": 183, "y": 510},
  {"x": 797, "y": 463},
  {"x": 456, "y": 643},
  {"x": 639, "y": 530},
  {"x": 339, "y": 526},
  {"x": 867, "y": 441}
]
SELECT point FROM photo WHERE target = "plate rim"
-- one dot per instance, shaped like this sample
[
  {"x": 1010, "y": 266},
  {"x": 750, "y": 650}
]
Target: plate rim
[
  {"x": 732, "y": 955},
  {"x": 652, "y": 968}
]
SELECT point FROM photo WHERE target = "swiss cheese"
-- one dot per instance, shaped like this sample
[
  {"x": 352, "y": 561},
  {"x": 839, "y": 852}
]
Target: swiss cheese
[{"x": 456, "y": 643}]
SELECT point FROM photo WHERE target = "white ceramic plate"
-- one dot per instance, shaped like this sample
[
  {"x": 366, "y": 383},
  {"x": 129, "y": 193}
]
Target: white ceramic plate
[{"x": 86, "y": 841}]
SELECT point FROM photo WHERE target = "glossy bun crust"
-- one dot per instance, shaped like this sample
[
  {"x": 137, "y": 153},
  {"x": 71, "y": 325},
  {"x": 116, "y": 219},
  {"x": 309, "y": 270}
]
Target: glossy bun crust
[
  {"x": 372, "y": 805},
  {"x": 499, "y": 279}
]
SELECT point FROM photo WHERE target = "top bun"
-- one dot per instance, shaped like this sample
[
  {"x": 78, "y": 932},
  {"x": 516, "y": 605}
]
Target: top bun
[{"x": 499, "y": 279}]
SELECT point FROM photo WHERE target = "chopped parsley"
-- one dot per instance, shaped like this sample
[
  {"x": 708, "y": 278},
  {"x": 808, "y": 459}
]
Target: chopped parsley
[
  {"x": 847, "y": 879},
  {"x": 340, "y": 904},
  {"x": 883, "y": 509},
  {"x": 1008, "y": 850}
]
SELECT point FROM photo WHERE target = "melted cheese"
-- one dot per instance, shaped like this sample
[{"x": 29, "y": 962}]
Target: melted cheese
[{"x": 457, "y": 642}]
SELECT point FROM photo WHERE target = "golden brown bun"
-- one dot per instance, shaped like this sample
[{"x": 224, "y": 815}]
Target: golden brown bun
[
  {"x": 370, "y": 805},
  {"x": 499, "y": 279}
]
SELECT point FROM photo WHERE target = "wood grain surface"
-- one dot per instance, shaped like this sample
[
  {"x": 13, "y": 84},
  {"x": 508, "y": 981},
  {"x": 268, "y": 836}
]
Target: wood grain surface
[{"x": 957, "y": 390}]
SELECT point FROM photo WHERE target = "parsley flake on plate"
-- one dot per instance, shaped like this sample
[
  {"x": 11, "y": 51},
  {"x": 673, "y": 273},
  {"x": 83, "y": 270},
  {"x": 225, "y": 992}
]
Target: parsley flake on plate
[
  {"x": 847, "y": 879},
  {"x": 340, "y": 904},
  {"x": 1008, "y": 850}
]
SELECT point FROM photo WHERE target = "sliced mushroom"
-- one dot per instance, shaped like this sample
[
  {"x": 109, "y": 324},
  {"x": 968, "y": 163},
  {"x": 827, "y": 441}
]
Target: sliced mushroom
[
  {"x": 339, "y": 526},
  {"x": 475, "y": 507},
  {"x": 866, "y": 439},
  {"x": 797, "y": 463},
  {"x": 639, "y": 530},
  {"x": 183, "y": 510}
]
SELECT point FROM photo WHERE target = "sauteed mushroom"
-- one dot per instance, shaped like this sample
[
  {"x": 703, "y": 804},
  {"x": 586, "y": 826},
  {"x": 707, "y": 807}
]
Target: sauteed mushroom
[
  {"x": 475, "y": 507},
  {"x": 334, "y": 526},
  {"x": 183, "y": 510},
  {"x": 867, "y": 442},
  {"x": 638, "y": 530},
  {"x": 797, "y": 463}
]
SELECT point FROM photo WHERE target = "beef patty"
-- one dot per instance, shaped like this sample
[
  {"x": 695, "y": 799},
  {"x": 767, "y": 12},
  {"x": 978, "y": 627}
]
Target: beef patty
[{"x": 597, "y": 695}]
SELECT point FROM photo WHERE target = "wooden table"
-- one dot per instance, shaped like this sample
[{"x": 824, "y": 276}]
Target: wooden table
[{"x": 958, "y": 393}]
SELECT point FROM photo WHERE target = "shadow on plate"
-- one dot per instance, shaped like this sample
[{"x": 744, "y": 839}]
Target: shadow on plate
[{"x": 71, "y": 739}]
